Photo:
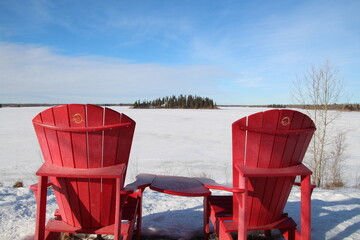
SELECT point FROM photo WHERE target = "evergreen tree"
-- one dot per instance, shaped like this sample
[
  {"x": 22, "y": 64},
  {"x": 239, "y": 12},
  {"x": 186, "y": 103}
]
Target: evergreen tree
[{"x": 182, "y": 101}]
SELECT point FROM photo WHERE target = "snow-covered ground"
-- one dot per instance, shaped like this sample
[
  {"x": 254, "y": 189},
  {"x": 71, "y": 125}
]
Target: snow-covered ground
[{"x": 172, "y": 142}]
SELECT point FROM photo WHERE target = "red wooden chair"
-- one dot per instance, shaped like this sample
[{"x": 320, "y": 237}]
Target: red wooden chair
[
  {"x": 268, "y": 149},
  {"x": 86, "y": 150}
]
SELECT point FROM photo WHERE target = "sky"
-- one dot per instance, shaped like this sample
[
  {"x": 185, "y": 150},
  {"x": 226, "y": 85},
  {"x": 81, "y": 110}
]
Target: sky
[{"x": 235, "y": 52}]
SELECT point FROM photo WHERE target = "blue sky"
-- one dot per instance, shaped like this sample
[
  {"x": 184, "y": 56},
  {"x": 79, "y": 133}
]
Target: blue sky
[{"x": 235, "y": 52}]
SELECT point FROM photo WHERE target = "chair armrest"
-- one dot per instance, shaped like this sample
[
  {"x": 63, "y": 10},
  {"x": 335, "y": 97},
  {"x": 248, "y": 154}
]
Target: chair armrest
[
  {"x": 142, "y": 181},
  {"x": 34, "y": 187},
  {"x": 51, "y": 170},
  {"x": 211, "y": 184},
  {"x": 297, "y": 170},
  {"x": 312, "y": 186}
]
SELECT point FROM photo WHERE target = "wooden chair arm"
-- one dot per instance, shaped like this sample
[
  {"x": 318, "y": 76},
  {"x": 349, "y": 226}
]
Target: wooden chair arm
[
  {"x": 312, "y": 186},
  {"x": 211, "y": 184},
  {"x": 142, "y": 181},
  {"x": 298, "y": 170},
  {"x": 34, "y": 187},
  {"x": 51, "y": 170}
]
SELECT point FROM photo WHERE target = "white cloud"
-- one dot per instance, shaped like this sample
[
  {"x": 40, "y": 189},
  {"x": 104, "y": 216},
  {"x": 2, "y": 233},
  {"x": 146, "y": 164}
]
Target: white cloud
[
  {"x": 250, "y": 82},
  {"x": 33, "y": 73}
]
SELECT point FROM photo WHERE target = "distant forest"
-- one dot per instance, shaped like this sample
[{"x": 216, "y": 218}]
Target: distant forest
[
  {"x": 338, "y": 107},
  {"x": 193, "y": 103},
  {"x": 182, "y": 101}
]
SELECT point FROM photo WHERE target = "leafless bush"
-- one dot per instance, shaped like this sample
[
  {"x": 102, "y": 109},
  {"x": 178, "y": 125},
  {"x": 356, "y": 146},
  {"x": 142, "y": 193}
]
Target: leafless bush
[
  {"x": 336, "y": 162},
  {"x": 18, "y": 184},
  {"x": 357, "y": 181},
  {"x": 320, "y": 88},
  {"x": 203, "y": 175}
]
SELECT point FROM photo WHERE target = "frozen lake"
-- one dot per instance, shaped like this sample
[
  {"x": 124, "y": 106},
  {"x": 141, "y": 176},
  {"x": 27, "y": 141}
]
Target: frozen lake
[{"x": 172, "y": 142}]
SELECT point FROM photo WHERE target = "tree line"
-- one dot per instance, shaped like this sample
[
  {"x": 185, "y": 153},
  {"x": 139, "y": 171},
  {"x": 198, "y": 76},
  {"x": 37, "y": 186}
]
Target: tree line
[
  {"x": 182, "y": 101},
  {"x": 336, "y": 107}
]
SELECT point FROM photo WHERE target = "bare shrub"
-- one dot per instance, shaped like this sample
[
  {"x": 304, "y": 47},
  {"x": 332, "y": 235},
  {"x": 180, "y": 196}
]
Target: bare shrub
[
  {"x": 316, "y": 91},
  {"x": 203, "y": 175},
  {"x": 336, "y": 162},
  {"x": 18, "y": 184},
  {"x": 357, "y": 181}
]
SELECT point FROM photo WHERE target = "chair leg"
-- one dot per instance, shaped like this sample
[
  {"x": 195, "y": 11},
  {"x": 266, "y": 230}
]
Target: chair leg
[
  {"x": 41, "y": 208},
  {"x": 139, "y": 215},
  {"x": 117, "y": 227},
  {"x": 223, "y": 234},
  {"x": 305, "y": 227},
  {"x": 289, "y": 233},
  {"x": 242, "y": 215},
  {"x": 52, "y": 235},
  {"x": 206, "y": 217}
]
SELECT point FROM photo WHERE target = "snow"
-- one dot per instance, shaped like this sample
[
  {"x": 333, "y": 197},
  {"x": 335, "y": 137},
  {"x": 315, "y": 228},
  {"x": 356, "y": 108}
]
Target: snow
[{"x": 172, "y": 142}]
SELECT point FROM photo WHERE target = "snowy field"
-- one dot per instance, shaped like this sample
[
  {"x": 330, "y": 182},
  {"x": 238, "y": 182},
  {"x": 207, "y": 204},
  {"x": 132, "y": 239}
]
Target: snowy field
[{"x": 172, "y": 142}]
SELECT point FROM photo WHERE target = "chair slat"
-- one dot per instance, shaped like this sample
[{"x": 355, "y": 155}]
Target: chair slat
[
  {"x": 77, "y": 117},
  {"x": 95, "y": 117},
  {"x": 111, "y": 138},
  {"x": 68, "y": 187}
]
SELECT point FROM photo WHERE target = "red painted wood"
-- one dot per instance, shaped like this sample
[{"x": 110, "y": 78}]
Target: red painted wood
[
  {"x": 283, "y": 223},
  {"x": 277, "y": 131},
  {"x": 270, "y": 202},
  {"x": 41, "y": 209},
  {"x": 83, "y": 129},
  {"x": 206, "y": 214},
  {"x": 181, "y": 186},
  {"x": 55, "y": 225},
  {"x": 211, "y": 184},
  {"x": 62, "y": 119},
  {"x": 124, "y": 142},
  {"x": 52, "y": 146},
  {"x": 268, "y": 148},
  {"x": 52, "y": 235},
  {"x": 117, "y": 226},
  {"x": 306, "y": 207},
  {"x": 301, "y": 144},
  {"x": 269, "y": 152},
  {"x": 95, "y": 117},
  {"x": 243, "y": 209},
  {"x": 110, "y": 139},
  {"x": 81, "y": 144},
  {"x": 142, "y": 181},
  {"x": 275, "y": 172},
  {"x": 48, "y": 169}
]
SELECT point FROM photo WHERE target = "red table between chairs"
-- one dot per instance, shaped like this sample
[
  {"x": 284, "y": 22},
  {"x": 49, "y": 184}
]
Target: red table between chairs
[
  {"x": 180, "y": 186},
  {"x": 174, "y": 185}
]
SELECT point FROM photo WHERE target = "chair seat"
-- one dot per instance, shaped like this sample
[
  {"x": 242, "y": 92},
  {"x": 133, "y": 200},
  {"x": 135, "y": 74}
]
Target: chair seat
[
  {"x": 221, "y": 206},
  {"x": 129, "y": 212},
  {"x": 222, "y": 210}
]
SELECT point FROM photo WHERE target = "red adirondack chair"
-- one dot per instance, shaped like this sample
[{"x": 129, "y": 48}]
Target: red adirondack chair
[
  {"x": 86, "y": 150},
  {"x": 268, "y": 149}
]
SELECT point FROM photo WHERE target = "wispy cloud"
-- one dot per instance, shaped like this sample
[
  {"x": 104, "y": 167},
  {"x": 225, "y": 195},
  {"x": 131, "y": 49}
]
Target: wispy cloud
[
  {"x": 250, "y": 82},
  {"x": 35, "y": 70}
]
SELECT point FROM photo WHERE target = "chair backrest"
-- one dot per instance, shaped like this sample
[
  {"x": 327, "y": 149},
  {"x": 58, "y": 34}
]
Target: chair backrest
[
  {"x": 270, "y": 139},
  {"x": 84, "y": 136}
]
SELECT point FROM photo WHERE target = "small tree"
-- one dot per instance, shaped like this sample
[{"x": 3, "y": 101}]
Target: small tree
[
  {"x": 317, "y": 90},
  {"x": 337, "y": 162}
]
